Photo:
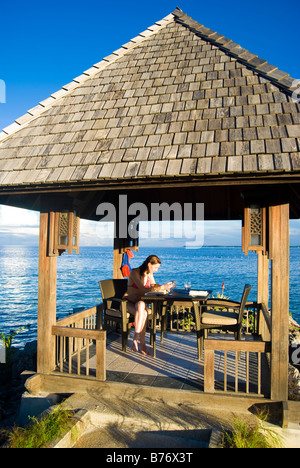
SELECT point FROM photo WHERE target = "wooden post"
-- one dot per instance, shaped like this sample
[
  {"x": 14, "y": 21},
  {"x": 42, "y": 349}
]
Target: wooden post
[
  {"x": 279, "y": 253},
  {"x": 209, "y": 371},
  {"x": 262, "y": 286},
  {"x": 46, "y": 301},
  {"x": 117, "y": 273},
  {"x": 262, "y": 278}
]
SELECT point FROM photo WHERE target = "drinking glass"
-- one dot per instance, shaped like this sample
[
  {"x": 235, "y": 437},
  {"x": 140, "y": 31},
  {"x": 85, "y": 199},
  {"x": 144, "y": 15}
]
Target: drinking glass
[
  {"x": 187, "y": 286},
  {"x": 172, "y": 287}
]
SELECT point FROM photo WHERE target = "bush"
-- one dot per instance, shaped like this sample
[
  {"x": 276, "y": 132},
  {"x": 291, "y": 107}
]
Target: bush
[
  {"x": 244, "y": 435},
  {"x": 40, "y": 433}
]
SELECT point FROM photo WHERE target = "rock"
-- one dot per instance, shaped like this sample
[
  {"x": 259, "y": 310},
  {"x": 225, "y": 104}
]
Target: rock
[
  {"x": 12, "y": 383},
  {"x": 294, "y": 383}
]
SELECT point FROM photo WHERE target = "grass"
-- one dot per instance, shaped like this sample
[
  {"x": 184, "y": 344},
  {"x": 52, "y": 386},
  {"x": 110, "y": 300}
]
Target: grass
[
  {"x": 40, "y": 433},
  {"x": 244, "y": 435}
]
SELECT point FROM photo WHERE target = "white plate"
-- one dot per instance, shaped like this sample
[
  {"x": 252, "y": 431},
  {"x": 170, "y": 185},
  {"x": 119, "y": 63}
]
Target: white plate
[{"x": 193, "y": 292}]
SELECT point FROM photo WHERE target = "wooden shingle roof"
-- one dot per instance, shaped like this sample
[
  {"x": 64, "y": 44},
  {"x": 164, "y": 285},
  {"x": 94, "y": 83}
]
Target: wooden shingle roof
[{"x": 179, "y": 100}]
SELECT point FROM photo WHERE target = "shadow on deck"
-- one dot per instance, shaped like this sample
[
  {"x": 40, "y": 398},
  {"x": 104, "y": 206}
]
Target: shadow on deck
[{"x": 176, "y": 365}]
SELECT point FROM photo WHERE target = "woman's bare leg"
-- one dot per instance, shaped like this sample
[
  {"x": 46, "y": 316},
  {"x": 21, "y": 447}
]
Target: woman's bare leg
[
  {"x": 143, "y": 347},
  {"x": 140, "y": 318}
]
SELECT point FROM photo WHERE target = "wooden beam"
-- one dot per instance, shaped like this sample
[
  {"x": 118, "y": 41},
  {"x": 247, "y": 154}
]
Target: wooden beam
[
  {"x": 263, "y": 275},
  {"x": 46, "y": 301},
  {"x": 79, "y": 333},
  {"x": 117, "y": 273},
  {"x": 236, "y": 345},
  {"x": 262, "y": 278},
  {"x": 279, "y": 253}
]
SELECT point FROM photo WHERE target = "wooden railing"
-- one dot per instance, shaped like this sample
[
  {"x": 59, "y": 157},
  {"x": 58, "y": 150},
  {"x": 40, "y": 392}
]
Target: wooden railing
[
  {"x": 239, "y": 372},
  {"x": 241, "y": 364},
  {"x": 85, "y": 319},
  {"x": 76, "y": 336}
]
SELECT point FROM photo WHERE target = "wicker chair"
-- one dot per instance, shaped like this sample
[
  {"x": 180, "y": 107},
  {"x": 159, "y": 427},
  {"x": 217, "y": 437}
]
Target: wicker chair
[
  {"x": 220, "y": 314},
  {"x": 115, "y": 308}
]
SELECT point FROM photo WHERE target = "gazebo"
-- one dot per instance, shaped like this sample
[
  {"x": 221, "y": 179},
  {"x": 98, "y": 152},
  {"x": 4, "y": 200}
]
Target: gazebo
[{"x": 178, "y": 114}]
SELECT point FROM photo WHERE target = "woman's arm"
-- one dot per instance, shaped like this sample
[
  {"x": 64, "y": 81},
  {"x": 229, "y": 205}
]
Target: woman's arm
[
  {"x": 157, "y": 287},
  {"x": 138, "y": 282}
]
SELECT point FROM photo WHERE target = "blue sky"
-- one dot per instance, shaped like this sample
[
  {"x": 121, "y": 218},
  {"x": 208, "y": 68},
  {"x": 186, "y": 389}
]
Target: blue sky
[{"x": 46, "y": 44}]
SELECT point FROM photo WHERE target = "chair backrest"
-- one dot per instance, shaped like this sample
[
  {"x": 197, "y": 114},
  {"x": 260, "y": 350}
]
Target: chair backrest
[
  {"x": 111, "y": 288},
  {"x": 245, "y": 295}
]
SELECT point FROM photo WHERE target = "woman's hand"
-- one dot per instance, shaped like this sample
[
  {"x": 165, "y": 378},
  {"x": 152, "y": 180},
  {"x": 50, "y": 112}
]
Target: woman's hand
[{"x": 169, "y": 285}]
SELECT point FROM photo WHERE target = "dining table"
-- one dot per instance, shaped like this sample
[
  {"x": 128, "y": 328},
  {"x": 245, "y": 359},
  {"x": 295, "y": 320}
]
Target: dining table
[{"x": 161, "y": 300}]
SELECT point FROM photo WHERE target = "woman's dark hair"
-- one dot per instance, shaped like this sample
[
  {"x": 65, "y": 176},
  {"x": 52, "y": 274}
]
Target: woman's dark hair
[{"x": 153, "y": 259}]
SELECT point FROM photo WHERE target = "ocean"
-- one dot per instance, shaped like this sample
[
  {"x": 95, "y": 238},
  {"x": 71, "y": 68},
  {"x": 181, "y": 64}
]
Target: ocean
[{"x": 78, "y": 277}]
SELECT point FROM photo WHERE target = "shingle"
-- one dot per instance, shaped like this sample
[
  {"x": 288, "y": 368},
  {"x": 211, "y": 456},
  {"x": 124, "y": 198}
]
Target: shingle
[
  {"x": 295, "y": 158},
  {"x": 235, "y": 164},
  {"x": 218, "y": 165},
  {"x": 204, "y": 165},
  {"x": 289, "y": 145},
  {"x": 293, "y": 130},
  {"x": 145, "y": 169},
  {"x": 227, "y": 149},
  {"x": 188, "y": 166},
  {"x": 170, "y": 152},
  {"x": 257, "y": 146},
  {"x": 174, "y": 166},
  {"x": 66, "y": 173},
  {"x": 212, "y": 149},
  {"x": 131, "y": 170},
  {"x": 273, "y": 146},
  {"x": 107, "y": 170},
  {"x": 282, "y": 162},
  {"x": 250, "y": 163},
  {"x": 207, "y": 136},
  {"x": 159, "y": 167},
  {"x": 265, "y": 162}
]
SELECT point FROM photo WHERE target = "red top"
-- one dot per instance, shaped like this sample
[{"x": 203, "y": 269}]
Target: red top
[{"x": 147, "y": 285}]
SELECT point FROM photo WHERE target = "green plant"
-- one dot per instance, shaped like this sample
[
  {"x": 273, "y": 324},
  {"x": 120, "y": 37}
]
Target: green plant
[
  {"x": 7, "y": 339},
  {"x": 187, "y": 322},
  {"x": 244, "y": 435},
  {"x": 40, "y": 433}
]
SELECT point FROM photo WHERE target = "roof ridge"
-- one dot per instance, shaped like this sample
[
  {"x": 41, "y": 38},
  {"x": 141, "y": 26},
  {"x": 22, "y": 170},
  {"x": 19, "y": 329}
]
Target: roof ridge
[
  {"x": 43, "y": 106},
  {"x": 261, "y": 66}
]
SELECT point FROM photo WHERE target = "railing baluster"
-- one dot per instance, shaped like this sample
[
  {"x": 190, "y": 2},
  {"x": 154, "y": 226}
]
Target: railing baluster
[
  {"x": 87, "y": 356},
  {"x": 70, "y": 354},
  {"x": 225, "y": 371},
  {"x": 61, "y": 353},
  {"x": 247, "y": 372},
  {"x": 236, "y": 378},
  {"x": 259, "y": 373},
  {"x": 241, "y": 362},
  {"x": 78, "y": 355}
]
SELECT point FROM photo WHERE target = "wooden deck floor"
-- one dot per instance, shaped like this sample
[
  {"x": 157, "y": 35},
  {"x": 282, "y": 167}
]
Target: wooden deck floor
[{"x": 176, "y": 365}]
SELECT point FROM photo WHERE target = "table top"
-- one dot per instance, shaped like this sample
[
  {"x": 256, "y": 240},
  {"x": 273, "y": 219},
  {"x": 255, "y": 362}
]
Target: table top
[{"x": 179, "y": 295}]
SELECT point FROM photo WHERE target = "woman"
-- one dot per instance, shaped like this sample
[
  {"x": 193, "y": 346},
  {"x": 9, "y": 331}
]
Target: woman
[{"x": 141, "y": 281}]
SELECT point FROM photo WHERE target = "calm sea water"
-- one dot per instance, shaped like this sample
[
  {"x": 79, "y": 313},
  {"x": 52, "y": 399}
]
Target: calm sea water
[{"x": 78, "y": 276}]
